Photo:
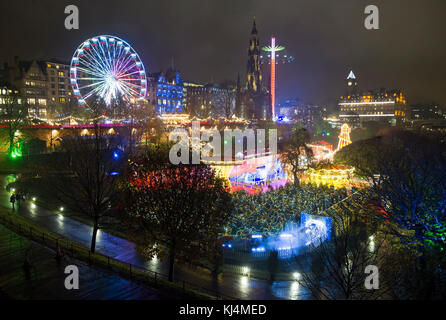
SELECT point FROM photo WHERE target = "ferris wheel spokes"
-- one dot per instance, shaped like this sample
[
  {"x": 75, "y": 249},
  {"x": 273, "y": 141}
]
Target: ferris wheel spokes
[{"x": 107, "y": 67}]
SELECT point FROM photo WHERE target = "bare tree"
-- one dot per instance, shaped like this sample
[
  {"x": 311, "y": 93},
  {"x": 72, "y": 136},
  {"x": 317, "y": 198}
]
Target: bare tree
[
  {"x": 294, "y": 150},
  {"x": 228, "y": 102},
  {"x": 14, "y": 113},
  {"x": 153, "y": 130},
  {"x": 335, "y": 268},
  {"x": 91, "y": 163}
]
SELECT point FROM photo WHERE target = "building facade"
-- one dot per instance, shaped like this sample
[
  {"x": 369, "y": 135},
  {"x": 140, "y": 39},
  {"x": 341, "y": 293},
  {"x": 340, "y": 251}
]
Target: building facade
[
  {"x": 59, "y": 94},
  {"x": 375, "y": 105},
  {"x": 429, "y": 111},
  {"x": 306, "y": 113},
  {"x": 165, "y": 91},
  {"x": 43, "y": 85},
  {"x": 8, "y": 95},
  {"x": 211, "y": 99}
]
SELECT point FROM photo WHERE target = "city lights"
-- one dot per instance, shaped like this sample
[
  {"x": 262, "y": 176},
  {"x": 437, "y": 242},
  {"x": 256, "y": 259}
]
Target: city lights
[{"x": 193, "y": 162}]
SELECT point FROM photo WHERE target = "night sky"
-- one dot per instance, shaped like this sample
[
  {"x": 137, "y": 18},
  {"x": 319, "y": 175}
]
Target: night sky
[{"x": 208, "y": 40}]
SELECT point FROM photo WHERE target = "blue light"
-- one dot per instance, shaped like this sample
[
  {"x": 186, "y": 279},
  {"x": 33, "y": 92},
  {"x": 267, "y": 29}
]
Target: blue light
[
  {"x": 317, "y": 228},
  {"x": 256, "y": 236},
  {"x": 286, "y": 235},
  {"x": 115, "y": 155}
]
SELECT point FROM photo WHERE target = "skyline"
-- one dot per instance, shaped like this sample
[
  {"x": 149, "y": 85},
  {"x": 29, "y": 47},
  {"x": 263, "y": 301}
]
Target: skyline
[{"x": 209, "y": 41}]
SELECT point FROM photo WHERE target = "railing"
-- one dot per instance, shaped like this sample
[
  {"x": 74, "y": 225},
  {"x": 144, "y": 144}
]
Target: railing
[
  {"x": 135, "y": 273},
  {"x": 261, "y": 254}
]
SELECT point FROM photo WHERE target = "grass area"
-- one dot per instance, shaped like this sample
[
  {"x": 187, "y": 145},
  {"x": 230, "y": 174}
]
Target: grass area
[
  {"x": 25, "y": 164},
  {"x": 50, "y": 239}
]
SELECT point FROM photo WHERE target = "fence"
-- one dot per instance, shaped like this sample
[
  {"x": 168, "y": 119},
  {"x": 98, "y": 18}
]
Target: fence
[
  {"x": 135, "y": 273},
  {"x": 285, "y": 253}
]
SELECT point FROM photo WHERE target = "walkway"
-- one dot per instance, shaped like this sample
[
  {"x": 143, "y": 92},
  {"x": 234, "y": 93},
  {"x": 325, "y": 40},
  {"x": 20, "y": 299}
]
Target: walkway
[
  {"x": 46, "y": 278},
  {"x": 228, "y": 284}
]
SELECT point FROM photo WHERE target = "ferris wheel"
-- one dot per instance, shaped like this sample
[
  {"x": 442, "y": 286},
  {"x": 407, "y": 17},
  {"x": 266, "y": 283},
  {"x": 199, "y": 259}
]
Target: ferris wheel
[{"x": 107, "y": 68}]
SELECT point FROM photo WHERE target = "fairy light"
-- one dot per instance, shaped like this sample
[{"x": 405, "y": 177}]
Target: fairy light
[{"x": 344, "y": 137}]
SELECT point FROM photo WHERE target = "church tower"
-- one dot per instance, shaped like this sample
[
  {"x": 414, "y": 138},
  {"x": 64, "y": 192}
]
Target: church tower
[
  {"x": 256, "y": 95},
  {"x": 253, "y": 72}
]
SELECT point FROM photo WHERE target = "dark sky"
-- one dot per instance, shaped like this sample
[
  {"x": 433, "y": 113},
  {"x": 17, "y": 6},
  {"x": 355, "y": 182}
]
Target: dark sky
[{"x": 208, "y": 39}]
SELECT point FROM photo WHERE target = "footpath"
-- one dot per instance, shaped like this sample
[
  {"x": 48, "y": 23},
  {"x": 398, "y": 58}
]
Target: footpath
[{"x": 45, "y": 277}]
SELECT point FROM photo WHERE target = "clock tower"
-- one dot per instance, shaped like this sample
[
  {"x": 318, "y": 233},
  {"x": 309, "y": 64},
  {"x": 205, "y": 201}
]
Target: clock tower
[{"x": 352, "y": 82}]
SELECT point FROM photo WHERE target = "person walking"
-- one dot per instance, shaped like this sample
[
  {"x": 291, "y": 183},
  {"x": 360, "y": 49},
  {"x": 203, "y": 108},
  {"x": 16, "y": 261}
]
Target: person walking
[{"x": 12, "y": 200}]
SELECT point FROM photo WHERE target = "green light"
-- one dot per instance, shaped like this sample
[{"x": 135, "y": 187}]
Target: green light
[
  {"x": 276, "y": 48},
  {"x": 16, "y": 152},
  {"x": 328, "y": 134},
  {"x": 226, "y": 142}
]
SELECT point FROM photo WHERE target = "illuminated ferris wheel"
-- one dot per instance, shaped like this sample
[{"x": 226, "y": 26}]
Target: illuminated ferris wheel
[{"x": 107, "y": 68}]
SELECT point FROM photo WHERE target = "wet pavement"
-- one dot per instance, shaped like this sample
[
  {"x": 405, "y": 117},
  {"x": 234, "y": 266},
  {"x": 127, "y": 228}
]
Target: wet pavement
[
  {"x": 235, "y": 286},
  {"x": 45, "y": 278}
]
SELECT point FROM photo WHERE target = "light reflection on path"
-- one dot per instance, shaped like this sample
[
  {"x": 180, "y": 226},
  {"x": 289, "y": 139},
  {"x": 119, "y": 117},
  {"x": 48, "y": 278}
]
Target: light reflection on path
[{"x": 121, "y": 249}]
